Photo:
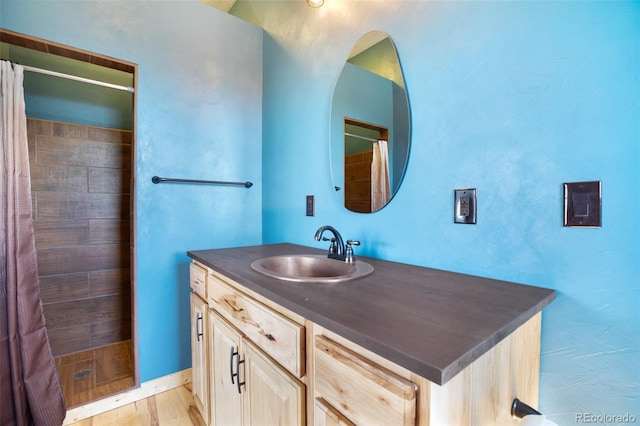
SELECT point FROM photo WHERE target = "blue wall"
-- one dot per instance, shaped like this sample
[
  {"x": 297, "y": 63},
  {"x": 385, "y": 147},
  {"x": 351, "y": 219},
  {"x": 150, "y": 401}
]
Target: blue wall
[
  {"x": 512, "y": 98},
  {"x": 198, "y": 116}
]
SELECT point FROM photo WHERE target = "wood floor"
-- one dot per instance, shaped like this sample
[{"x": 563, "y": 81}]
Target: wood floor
[
  {"x": 93, "y": 374},
  {"x": 171, "y": 408}
]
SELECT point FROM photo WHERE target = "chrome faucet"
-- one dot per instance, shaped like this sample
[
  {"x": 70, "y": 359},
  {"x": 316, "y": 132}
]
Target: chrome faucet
[{"x": 336, "y": 249}]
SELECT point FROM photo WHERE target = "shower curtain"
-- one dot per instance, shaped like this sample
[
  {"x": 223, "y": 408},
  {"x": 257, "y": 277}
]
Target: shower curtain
[
  {"x": 30, "y": 392},
  {"x": 380, "y": 184}
]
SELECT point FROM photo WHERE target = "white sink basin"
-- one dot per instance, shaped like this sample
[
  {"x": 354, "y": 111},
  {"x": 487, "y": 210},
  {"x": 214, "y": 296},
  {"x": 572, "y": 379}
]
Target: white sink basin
[{"x": 310, "y": 268}]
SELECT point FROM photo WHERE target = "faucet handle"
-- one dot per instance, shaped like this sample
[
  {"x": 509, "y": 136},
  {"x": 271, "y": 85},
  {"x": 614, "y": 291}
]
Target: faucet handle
[
  {"x": 349, "y": 256},
  {"x": 332, "y": 246}
]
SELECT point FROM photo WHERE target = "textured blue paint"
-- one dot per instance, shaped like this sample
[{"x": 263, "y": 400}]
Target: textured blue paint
[
  {"x": 513, "y": 98},
  {"x": 198, "y": 116}
]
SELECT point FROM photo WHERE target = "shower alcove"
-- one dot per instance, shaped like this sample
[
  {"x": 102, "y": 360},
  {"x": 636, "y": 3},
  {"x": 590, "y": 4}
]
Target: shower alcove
[{"x": 82, "y": 157}]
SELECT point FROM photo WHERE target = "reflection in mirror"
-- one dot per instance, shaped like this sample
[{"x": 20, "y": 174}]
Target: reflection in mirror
[{"x": 370, "y": 125}]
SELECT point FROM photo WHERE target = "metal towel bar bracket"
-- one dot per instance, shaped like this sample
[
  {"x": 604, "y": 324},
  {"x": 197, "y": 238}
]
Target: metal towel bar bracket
[{"x": 157, "y": 179}]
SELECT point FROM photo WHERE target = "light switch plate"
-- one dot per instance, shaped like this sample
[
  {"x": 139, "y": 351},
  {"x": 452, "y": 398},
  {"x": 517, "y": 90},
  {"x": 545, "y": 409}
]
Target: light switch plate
[
  {"x": 464, "y": 206},
  {"x": 310, "y": 205},
  {"x": 583, "y": 204}
]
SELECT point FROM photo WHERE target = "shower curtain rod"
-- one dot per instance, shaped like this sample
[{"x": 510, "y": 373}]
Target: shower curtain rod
[
  {"x": 76, "y": 78},
  {"x": 361, "y": 137}
]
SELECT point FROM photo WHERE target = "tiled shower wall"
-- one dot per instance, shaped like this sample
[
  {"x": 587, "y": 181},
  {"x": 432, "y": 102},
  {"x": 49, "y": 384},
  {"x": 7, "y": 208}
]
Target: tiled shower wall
[
  {"x": 80, "y": 183},
  {"x": 357, "y": 181}
]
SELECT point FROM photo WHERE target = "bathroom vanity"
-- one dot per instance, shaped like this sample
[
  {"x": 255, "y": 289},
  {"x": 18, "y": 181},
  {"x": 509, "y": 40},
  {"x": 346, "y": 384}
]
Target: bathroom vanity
[{"x": 405, "y": 345}]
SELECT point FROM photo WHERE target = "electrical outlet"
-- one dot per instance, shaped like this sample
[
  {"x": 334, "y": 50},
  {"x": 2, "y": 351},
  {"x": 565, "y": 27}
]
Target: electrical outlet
[
  {"x": 464, "y": 205},
  {"x": 310, "y": 205}
]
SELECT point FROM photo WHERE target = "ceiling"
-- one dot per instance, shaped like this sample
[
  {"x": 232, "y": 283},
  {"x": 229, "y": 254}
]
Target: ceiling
[
  {"x": 361, "y": 45},
  {"x": 223, "y": 5}
]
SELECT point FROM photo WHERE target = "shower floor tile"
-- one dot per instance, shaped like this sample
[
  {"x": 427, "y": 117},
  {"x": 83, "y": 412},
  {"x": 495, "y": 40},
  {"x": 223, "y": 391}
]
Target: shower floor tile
[{"x": 93, "y": 374}]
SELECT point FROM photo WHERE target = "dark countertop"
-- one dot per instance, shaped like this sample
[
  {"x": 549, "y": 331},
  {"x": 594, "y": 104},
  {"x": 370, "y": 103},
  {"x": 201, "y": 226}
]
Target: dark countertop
[{"x": 431, "y": 322}]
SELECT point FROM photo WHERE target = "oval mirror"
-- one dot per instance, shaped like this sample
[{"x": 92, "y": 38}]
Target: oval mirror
[{"x": 370, "y": 125}]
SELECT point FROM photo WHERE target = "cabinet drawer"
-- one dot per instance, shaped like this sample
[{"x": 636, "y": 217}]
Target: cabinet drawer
[
  {"x": 362, "y": 391},
  {"x": 198, "y": 280},
  {"x": 279, "y": 337}
]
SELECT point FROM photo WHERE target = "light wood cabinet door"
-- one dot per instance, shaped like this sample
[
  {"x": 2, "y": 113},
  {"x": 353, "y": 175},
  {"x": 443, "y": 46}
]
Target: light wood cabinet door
[
  {"x": 364, "y": 392},
  {"x": 199, "y": 358},
  {"x": 226, "y": 407},
  {"x": 248, "y": 387},
  {"x": 273, "y": 396}
]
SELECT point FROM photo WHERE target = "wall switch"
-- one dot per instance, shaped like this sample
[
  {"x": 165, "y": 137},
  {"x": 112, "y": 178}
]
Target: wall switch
[
  {"x": 464, "y": 206},
  {"x": 310, "y": 205},
  {"x": 583, "y": 204}
]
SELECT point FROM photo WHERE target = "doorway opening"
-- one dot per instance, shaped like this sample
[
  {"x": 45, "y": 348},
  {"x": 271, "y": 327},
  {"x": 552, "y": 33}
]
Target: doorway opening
[
  {"x": 359, "y": 138},
  {"x": 82, "y": 183}
]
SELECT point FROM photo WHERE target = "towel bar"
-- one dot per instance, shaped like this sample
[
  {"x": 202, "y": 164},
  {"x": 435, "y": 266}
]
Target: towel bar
[{"x": 157, "y": 179}]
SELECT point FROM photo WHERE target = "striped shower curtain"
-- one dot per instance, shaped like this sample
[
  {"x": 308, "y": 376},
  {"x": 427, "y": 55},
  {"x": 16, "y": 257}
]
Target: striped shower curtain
[{"x": 30, "y": 392}]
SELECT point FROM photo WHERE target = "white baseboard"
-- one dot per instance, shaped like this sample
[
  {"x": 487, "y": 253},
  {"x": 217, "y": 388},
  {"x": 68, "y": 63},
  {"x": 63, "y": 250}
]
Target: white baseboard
[{"x": 146, "y": 389}]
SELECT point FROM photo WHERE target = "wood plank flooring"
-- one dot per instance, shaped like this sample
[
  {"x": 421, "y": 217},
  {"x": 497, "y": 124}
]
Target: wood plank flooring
[
  {"x": 174, "y": 407},
  {"x": 93, "y": 374}
]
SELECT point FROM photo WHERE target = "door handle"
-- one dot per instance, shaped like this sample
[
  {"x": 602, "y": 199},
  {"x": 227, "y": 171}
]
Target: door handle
[
  {"x": 235, "y": 377},
  {"x": 238, "y": 362},
  {"x": 231, "y": 355},
  {"x": 198, "y": 327}
]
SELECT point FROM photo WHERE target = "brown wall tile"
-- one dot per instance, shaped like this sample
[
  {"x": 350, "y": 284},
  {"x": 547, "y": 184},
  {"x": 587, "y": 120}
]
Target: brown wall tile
[
  {"x": 70, "y": 205},
  {"x": 109, "y": 231},
  {"x": 60, "y": 233},
  {"x": 104, "y": 333},
  {"x": 110, "y": 181},
  {"x": 70, "y": 131},
  {"x": 109, "y": 308},
  {"x": 100, "y": 134},
  {"x": 81, "y": 152},
  {"x": 67, "y": 314},
  {"x": 66, "y": 340},
  {"x": 65, "y": 260},
  {"x": 58, "y": 288},
  {"x": 51, "y": 177},
  {"x": 39, "y": 127},
  {"x": 110, "y": 282},
  {"x": 81, "y": 202}
]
